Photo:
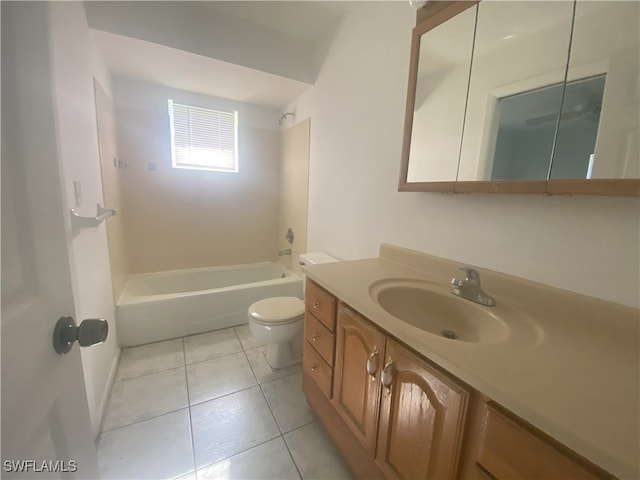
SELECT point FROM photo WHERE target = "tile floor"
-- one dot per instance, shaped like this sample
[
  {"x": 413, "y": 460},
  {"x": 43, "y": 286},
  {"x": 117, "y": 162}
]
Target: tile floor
[{"x": 209, "y": 407}]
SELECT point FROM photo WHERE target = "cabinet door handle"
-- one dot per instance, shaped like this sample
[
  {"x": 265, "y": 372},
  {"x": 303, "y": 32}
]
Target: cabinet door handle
[
  {"x": 387, "y": 375},
  {"x": 314, "y": 368},
  {"x": 372, "y": 363},
  {"x": 315, "y": 304},
  {"x": 315, "y": 338}
]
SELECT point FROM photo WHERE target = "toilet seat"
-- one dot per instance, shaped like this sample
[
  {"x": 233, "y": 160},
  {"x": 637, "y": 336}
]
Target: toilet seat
[{"x": 277, "y": 310}]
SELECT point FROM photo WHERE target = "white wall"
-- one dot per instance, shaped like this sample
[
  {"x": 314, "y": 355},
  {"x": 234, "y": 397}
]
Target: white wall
[
  {"x": 75, "y": 62},
  {"x": 585, "y": 244}
]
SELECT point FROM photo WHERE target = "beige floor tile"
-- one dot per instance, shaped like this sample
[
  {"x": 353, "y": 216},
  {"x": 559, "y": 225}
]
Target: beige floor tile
[
  {"x": 315, "y": 455},
  {"x": 230, "y": 425},
  {"x": 219, "y": 376},
  {"x": 151, "y": 358},
  {"x": 271, "y": 460},
  {"x": 159, "y": 448},
  {"x": 211, "y": 345},
  {"x": 288, "y": 403},
  {"x": 146, "y": 397}
]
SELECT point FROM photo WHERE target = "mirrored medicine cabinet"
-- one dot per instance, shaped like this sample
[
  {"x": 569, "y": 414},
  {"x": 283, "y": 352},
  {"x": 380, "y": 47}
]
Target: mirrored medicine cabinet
[{"x": 524, "y": 97}]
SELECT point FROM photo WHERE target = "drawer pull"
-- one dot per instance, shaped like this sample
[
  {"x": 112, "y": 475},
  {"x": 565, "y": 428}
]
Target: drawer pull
[
  {"x": 315, "y": 304},
  {"x": 387, "y": 375},
  {"x": 372, "y": 363}
]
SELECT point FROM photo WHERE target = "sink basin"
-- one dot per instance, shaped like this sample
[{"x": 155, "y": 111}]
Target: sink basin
[{"x": 434, "y": 309}]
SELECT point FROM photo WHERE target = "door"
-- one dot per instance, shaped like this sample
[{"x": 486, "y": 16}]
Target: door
[
  {"x": 421, "y": 419},
  {"x": 356, "y": 387},
  {"x": 45, "y": 417}
]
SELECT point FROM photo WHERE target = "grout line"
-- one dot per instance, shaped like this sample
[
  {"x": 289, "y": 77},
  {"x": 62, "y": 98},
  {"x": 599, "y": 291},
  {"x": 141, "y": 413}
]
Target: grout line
[
  {"x": 212, "y": 358},
  {"x": 148, "y": 374},
  {"x": 225, "y": 395},
  {"x": 315, "y": 420},
  {"x": 145, "y": 420},
  {"x": 295, "y": 464},
  {"x": 299, "y": 427},
  {"x": 243, "y": 451},
  {"x": 186, "y": 379},
  {"x": 266, "y": 400}
]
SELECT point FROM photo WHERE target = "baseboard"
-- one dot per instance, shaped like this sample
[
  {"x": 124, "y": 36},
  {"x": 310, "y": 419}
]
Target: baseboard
[{"x": 107, "y": 392}]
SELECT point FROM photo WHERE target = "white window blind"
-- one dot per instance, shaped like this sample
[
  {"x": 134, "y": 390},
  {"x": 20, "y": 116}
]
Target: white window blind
[{"x": 203, "y": 139}]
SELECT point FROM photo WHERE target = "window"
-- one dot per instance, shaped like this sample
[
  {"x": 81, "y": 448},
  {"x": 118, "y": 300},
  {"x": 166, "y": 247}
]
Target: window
[{"x": 203, "y": 139}]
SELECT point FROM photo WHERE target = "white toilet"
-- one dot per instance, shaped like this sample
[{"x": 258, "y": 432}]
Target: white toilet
[{"x": 278, "y": 321}]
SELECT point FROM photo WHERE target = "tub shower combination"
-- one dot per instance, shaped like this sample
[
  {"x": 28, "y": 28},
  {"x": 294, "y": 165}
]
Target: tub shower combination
[{"x": 160, "y": 306}]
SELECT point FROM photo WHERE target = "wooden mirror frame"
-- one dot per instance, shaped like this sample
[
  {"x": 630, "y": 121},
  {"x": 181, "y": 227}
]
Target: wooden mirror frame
[{"x": 428, "y": 18}]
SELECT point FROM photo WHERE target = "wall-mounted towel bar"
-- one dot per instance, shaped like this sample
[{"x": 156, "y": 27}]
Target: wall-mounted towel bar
[{"x": 79, "y": 221}]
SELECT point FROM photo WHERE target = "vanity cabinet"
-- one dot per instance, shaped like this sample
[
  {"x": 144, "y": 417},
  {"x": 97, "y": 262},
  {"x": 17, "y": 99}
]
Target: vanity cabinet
[
  {"x": 319, "y": 342},
  {"x": 392, "y": 414},
  {"x": 422, "y": 417},
  {"x": 405, "y": 414},
  {"x": 509, "y": 448},
  {"x": 356, "y": 383}
]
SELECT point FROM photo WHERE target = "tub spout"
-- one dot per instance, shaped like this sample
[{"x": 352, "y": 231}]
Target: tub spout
[{"x": 284, "y": 252}]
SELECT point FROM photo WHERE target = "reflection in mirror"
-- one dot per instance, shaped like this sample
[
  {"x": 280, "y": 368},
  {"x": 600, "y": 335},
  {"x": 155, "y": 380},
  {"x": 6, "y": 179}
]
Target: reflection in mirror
[
  {"x": 525, "y": 140},
  {"x": 441, "y": 89},
  {"x": 515, "y": 93},
  {"x": 602, "y": 95}
]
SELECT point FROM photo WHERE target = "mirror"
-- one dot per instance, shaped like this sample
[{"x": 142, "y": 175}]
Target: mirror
[
  {"x": 552, "y": 99},
  {"x": 513, "y": 105},
  {"x": 599, "y": 126},
  {"x": 442, "y": 78}
]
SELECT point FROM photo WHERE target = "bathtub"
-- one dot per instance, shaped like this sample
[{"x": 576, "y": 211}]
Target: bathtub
[{"x": 160, "y": 306}]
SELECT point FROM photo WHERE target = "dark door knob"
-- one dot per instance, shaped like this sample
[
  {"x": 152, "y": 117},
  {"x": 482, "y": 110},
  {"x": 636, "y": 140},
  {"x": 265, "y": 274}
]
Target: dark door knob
[{"x": 90, "y": 332}]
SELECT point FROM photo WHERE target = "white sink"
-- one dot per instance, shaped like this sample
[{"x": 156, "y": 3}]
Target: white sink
[{"x": 434, "y": 309}]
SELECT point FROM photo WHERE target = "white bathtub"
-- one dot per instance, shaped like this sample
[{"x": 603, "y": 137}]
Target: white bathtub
[{"x": 164, "y": 305}]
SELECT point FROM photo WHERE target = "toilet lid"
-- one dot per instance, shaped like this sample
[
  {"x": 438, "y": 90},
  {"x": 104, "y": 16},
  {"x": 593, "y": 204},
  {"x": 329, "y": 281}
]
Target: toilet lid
[{"x": 277, "y": 309}]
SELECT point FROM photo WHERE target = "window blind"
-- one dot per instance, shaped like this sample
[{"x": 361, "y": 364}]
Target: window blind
[{"x": 203, "y": 139}]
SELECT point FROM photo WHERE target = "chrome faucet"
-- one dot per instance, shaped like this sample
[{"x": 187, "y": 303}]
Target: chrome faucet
[
  {"x": 470, "y": 289},
  {"x": 284, "y": 252}
]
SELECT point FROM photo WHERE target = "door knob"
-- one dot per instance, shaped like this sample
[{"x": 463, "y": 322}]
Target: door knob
[{"x": 90, "y": 332}]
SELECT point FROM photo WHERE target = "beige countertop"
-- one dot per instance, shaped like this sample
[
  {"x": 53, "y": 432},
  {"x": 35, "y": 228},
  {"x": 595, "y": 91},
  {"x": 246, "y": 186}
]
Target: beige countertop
[{"x": 579, "y": 382}]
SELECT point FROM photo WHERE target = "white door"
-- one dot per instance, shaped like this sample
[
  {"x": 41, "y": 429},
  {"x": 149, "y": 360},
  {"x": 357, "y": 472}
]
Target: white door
[{"x": 45, "y": 417}]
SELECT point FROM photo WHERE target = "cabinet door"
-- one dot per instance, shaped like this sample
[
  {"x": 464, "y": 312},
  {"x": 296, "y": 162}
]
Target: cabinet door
[
  {"x": 421, "y": 419},
  {"x": 356, "y": 385}
]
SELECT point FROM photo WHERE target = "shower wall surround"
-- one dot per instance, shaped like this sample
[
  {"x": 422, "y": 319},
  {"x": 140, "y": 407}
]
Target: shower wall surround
[{"x": 179, "y": 219}]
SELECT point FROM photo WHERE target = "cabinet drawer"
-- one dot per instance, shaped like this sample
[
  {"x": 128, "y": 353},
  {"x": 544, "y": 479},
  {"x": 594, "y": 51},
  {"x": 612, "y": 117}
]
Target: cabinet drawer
[
  {"x": 510, "y": 450},
  {"x": 319, "y": 337},
  {"x": 322, "y": 304},
  {"x": 317, "y": 369}
]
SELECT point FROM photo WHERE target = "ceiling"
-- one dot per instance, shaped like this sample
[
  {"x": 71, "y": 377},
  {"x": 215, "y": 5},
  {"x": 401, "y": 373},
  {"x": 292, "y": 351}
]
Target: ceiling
[
  {"x": 261, "y": 52},
  {"x": 171, "y": 67},
  {"x": 308, "y": 21}
]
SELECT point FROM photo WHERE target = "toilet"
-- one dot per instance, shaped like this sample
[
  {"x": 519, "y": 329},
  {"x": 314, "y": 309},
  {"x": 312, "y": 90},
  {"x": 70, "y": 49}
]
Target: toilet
[{"x": 278, "y": 321}]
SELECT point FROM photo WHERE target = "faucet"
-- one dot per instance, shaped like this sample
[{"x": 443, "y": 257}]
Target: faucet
[
  {"x": 284, "y": 252},
  {"x": 470, "y": 289}
]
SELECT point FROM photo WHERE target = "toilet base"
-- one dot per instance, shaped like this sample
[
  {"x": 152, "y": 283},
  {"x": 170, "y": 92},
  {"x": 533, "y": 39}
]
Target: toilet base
[{"x": 285, "y": 354}]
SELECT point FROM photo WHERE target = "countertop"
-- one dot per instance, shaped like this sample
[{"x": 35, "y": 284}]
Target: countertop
[{"x": 579, "y": 382}]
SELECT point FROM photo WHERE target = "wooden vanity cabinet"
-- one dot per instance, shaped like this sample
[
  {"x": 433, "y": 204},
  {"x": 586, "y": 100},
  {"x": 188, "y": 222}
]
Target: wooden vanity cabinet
[
  {"x": 319, "y": 341},
  {"x": 509, "y": 448},
  {"x": 422, "y": 418},
  {"x": 359, "y": 350},
  {"x": 391, "y": 414},
  {"x": 412, "y": 425}
]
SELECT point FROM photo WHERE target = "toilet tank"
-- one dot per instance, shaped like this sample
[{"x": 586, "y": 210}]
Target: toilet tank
[{"x": 314, "y": 258}]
